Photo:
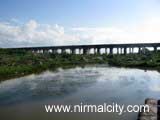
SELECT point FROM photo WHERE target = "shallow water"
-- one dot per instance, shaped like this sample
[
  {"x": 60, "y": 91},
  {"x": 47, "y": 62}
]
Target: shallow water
[{"x": 24, "y": 98}]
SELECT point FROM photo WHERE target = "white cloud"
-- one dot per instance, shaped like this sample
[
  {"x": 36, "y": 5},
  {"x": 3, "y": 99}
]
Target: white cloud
[
  {"x": 33, "y": 33},
  {"x": 145, "y": 31}
]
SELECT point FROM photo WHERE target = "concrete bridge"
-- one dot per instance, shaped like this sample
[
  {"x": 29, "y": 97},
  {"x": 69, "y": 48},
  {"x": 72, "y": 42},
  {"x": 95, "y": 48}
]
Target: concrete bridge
[{"x": 96, "y": 49}]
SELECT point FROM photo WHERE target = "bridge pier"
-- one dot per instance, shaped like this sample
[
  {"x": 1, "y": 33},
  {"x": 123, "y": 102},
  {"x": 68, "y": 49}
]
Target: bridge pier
[
  {"x": 125, "y": 50},
  {"x": 63, "y": 51},
  {"x": 118, "y": 51},
  {"x": 155, "y": 49},
  {"x": 45, "y": 51},
  {"x": 111, "y": 50},
  {"x": 84, "y": 51},
  {"x": 95, "y": 50},
  {"x": 55, "y": 51},
  {"x": 139, "y": 50},
  {"x": 130, "y": 51},
  {"x": 98, "y": 51},
  {"x": 121, "y": 52},
  {"x": 73, "y": 51},
  {"x": 79, "y": 51},
  {"x": 106, "y": 51}
]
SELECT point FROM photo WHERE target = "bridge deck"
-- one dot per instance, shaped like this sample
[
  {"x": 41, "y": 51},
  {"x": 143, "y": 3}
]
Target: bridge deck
[
  {"x": 85, "y": 49},
  {"x": 94, "y": 46}
]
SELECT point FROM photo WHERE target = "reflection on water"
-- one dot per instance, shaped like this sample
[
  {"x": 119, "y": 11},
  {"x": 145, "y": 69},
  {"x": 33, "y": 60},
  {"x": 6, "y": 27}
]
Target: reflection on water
[
  {"x": 23, "y": 98},
  {"x": 46, "y": 85}
]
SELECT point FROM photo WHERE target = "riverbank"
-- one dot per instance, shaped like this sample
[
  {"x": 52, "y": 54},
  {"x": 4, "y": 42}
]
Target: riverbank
[{"x": 20, "y": 63}]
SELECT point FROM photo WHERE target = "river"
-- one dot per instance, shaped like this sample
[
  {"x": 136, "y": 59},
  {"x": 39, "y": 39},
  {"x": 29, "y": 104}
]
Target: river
[{"x": 24, "y": 98}]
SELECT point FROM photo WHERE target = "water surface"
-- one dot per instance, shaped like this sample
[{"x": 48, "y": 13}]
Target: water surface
[{"x": 24, "y": 98}]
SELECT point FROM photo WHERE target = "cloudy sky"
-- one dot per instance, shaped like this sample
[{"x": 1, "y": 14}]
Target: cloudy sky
[{"x": 71, "y": 22}]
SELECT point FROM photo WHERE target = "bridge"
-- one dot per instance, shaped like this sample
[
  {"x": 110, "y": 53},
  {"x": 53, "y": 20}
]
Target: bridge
[{"x": 96, "y": 49}]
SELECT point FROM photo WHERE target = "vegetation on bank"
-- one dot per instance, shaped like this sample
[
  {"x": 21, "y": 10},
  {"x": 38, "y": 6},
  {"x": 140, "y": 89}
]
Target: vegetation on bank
[{"x": 14, "y": 63}]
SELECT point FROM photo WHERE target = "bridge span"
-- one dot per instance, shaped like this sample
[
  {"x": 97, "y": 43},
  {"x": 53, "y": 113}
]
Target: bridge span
[{"x": 96, "y": 49}]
